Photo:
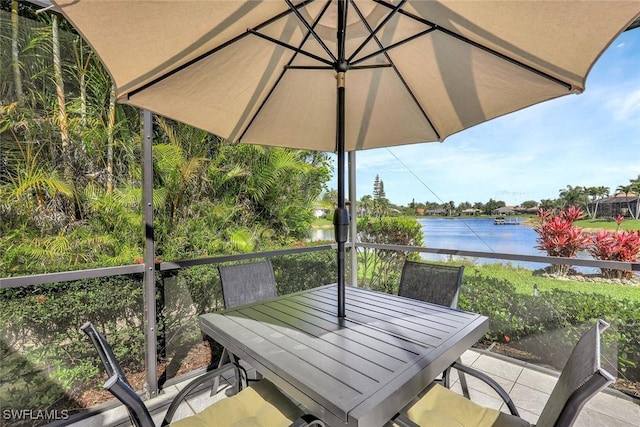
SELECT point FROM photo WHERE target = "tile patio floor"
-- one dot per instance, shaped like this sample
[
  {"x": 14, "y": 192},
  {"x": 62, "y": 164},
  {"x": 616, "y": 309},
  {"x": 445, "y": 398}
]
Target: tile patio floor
[{"x": 528, "y": 386}]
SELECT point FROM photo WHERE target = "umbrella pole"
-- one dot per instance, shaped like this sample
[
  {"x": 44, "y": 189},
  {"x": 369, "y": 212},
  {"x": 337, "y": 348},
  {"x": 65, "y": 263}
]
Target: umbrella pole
[{"x": 341, "y": 215}]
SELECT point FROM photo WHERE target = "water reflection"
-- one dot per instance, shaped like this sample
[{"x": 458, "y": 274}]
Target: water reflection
[
  {"x": 321, "y": 234},
  {"x": 480, "y": 234},
  {"x": 474, "y": 234}
]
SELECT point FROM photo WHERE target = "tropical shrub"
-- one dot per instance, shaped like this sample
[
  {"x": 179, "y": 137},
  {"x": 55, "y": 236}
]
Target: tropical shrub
[
  {"x": 616, "y": 246},
  {"x": 298, "y": 272},
  {"x": 45, "y": 359},
  {"x": 548, "y": 324},
  {"x": 496, "y": 299},
  {"x": 558, "y": 236},
  {"x": 382, "y": 266},
  {"x": 47, "y": 362}
]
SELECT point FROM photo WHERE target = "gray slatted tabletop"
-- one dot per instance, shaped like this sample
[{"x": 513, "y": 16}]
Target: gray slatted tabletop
[{"x": 357, "y": 371}]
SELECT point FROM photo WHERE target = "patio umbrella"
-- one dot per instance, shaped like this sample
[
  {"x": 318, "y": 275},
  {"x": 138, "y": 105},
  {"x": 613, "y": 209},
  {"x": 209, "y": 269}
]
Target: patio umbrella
[{"x": 344, "y": 75}]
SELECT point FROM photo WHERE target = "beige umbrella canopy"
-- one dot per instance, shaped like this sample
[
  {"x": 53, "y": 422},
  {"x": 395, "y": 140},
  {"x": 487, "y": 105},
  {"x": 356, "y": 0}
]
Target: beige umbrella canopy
[
  {"x": 345, "y": 74},
  {"x": 448, "y": 65}
]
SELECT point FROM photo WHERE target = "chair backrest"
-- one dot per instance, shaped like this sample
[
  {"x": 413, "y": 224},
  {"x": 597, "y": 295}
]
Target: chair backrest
[
  {"x": 580, "y": 380},
  {"x": 434, "y": 283},
  {"x": 117, "y": 383},
  {"x": 247, "y": 283}
]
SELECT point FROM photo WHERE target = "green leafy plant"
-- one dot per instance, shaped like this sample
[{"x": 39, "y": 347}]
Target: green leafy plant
[
  {"x": 616, "y": 246},
  {"x": 547, "y": 325},
  {"x": 558, "y": 236},
  {"x": 382, "y": 266}
]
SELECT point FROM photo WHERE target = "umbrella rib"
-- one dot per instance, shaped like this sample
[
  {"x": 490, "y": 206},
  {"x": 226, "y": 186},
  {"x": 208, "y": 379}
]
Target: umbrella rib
[
  {"x": 309, "y": 67},
  {"x": 394, "y": 45},
  {"x": 318, "y": 67},
  {"x": 487, "y": 49},
  {"x": 373, "y": 33},
  {"x": 288, "y": 66},
  {"x": 402, "y": 80},
  {"x": 311, "y": 30},
  {"x": 214, "y": 50},
  {"x": 288, "y": 46}
]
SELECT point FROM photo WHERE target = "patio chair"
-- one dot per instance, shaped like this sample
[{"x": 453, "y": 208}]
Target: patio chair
[
  {"x": 434, "y": 283},
  {"x": 260, "y": 404},
  {"x": 580, "y": 380},
  {"x": 245, "y": 284},
  {"x": 437, "y": 284}
]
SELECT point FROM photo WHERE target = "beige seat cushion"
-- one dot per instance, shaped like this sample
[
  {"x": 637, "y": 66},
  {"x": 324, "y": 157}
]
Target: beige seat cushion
[
  {"x": 259, "y": 405},
  {"x": 441, "y": 407}
]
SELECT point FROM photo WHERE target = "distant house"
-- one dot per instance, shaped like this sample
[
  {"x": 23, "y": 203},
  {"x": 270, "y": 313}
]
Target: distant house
[
  {"x": 434, "y": 212},
  {"x": 505, "y": 210},
  {"x": 620, "y": 204},
  {"x": 529, "y": 211},
  {"x": 470, "y": 212},
  {"x": 320, "y": 212}
]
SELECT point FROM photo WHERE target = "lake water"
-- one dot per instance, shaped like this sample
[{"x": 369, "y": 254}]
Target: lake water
[
  {"x": 480, "y": 234},
  {"x": 474, "y": 234}
]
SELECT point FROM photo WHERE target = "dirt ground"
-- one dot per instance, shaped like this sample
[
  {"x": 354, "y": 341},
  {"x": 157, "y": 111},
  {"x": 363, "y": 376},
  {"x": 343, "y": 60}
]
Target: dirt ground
[{"x": 197, "y": 357}]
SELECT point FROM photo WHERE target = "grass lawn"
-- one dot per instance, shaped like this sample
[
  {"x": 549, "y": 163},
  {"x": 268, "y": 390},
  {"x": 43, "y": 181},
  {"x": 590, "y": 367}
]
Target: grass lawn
[
  {"x": 523, "y": 280},
  {"x": 322, "y": 223},
  {"x": 608, "y": 224}
]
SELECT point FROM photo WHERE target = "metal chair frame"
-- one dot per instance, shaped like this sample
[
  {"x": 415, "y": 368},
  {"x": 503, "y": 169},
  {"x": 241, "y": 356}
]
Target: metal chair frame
[
  {"x": 438, "y": 284},
  {"x": 580, "y": 380},
  {"x": 244, "y": 284},
  {"x": 119, "y": 386}
]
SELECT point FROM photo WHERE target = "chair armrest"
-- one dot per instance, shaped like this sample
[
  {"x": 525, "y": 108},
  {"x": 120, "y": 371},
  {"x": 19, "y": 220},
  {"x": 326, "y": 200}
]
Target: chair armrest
[
  {"x": 138, "y": 413},
  {"x": 308, "y": 420},
  {"x": 193, "y": 385},
  {"x": 401, "y": 420},
  {"x": 490, "y": 382}
]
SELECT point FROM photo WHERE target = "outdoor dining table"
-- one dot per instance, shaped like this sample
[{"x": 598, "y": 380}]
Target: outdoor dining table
[{"x": 354, "y": 371}]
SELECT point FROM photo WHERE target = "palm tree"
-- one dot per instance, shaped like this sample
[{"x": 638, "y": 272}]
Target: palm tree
[
  {"x": 329, "y": 199},
  {"x": 626, "y": 190},
  {"x": 548, "y": 204},
  {"x": 34, "y": 184},
  {"x": 635, "y": 188},
  {"x": 596, "y": 194},
  {"x": 573, "y": 196},
  {"x": 15, "y": 50},
  {"x": 178, "y": 171},
  {"x": 366, "y": 205},
  {"x": 451, "y": 207},
  {"x": 62, "y": 104}
]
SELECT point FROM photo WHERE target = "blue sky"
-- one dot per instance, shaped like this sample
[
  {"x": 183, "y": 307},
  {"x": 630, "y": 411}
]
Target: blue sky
[{"x": 591, "y": 139}]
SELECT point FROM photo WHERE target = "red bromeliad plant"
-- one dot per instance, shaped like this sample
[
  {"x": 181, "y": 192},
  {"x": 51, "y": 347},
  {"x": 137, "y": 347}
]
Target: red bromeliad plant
[
  {"x": 616, "y": 246},
  {"x": 558, "y": 236}
]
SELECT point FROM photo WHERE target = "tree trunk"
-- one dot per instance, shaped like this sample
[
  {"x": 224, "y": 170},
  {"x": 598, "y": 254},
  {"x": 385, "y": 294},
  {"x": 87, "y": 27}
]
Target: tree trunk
[
  {"x": 62, "y": 108},
  {"x": 83, "y": 98},
  {"x": 110, "y": 131},
  {"x": 15, "y": 51}
]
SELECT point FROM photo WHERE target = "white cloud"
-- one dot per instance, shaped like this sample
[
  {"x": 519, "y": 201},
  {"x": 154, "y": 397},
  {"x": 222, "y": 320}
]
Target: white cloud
[
  {"x": 590, "y": 139},
  {"x": 626, "y": 107}
]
